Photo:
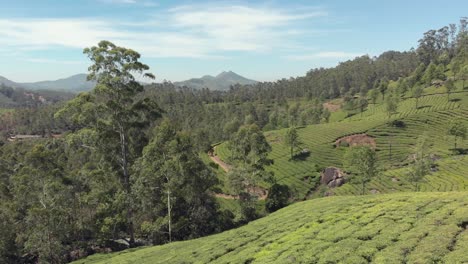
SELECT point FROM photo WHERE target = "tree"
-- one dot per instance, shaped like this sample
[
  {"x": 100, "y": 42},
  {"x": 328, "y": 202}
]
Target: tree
[
  {"x": 457, "y": 129},
  {"x": 250, "y": 147},
  {"x": 429, "y": 74},
  {"x": 326, "y": 115},
  {"x": 417, "y": 93},
  {"x": 463, "y": 75},
  {"x": 450, "y": 86},
  {"x": 278, "y": 197},
  {"x": 383, "y": 86},
  {"x": 373, "y": 95},
  {"x": 363, "y": 103},
  {"x": 363, "y": 161},
  {"x": 172, "y": 188},
  {"x": 421, "y": 162},
  {"x": 391, "y": 105},
  {"x": 292, "y": 140},
  {"x": 116, "y": 113}
]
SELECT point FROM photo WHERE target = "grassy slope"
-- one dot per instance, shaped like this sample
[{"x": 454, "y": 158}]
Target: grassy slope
[
  {"x": 392, "y": 228},
  {"x": 433, "y": 115}
]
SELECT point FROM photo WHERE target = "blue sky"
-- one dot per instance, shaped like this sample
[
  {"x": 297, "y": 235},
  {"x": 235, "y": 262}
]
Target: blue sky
[{"x": 261, "y": 40}]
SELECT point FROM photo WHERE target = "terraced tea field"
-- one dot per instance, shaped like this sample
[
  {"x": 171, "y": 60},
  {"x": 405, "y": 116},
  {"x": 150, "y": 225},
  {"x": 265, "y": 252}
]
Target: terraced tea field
[
  {"x": 394, "y": 145},
  {"x": 392, "y": 228}
]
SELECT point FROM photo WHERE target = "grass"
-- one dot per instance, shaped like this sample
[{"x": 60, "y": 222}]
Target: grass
[{"x": 392, "y": 228}]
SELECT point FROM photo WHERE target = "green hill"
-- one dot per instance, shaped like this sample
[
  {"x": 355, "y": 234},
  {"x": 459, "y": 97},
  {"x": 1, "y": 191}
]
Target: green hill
[
  {"x": 393, "y": 228},
  {"x": 393, "y": 144}
]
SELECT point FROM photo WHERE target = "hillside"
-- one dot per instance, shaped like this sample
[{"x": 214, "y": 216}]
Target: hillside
[
  {"x": 75, "y": 83},
  {"x": 396, "y": 228},
  {"x": 393, "y": 145},
  {"x": 221, "y": 81}
]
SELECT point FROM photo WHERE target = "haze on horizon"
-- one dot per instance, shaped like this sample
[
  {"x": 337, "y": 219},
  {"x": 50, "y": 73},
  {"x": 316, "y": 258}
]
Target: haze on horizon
[{"x": 180, "y": 40}]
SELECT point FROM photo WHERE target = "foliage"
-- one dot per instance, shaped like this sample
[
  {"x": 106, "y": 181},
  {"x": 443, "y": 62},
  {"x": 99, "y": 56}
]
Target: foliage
[
  {"x": 363, "y": 161},
  {"x": 417, "y": 93},
  {"x": 457, "y": 129},
  {"x": 292, "y": 140},
  {"x": 278, "y": 197},
  {"x": 171, "y": 188},
  {"x": 421, "y": 162},
  {"x": 250, "y": 147}
]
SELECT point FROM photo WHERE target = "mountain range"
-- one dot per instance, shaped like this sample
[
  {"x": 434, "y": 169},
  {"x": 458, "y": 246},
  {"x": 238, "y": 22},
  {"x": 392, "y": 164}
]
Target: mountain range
[
  {"x": 75, "y": 83},
  {"x": 78, "y": 83},
  {"x": 221, "y": 81}
]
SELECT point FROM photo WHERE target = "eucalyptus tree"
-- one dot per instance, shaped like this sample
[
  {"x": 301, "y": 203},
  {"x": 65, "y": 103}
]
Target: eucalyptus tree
[{"x": 116, "y": 114}]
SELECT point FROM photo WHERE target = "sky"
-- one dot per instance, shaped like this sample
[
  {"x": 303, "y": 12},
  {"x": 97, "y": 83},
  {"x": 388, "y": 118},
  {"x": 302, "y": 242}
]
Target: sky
[{"x": 260, "y": 40}]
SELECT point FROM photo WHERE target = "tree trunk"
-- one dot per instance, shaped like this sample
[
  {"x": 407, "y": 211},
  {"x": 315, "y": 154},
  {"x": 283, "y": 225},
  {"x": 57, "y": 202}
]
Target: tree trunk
[
  {"x": 169, "y": 209},
  {"x": 126, "y": 183}
]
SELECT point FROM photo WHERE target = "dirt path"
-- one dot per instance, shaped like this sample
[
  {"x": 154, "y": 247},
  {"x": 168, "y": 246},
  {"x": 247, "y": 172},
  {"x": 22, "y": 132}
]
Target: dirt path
[
  {"x": 226, "y": 167},
  {"x": 260, "y": 192}
]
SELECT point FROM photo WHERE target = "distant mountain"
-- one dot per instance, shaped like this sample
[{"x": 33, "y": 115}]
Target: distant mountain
[
  {"x": 75, "y": 83},
  {"x": 221, "y": 82},
  {"x": 7, "y": 82}
]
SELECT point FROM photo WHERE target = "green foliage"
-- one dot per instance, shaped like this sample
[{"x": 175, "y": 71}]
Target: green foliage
[
  {"x": 417, "y": 93},
  {"x": 422, "y": 162},
  {"x": 278, "y": 197},
  {"x": 362, "y": 161},
  {"x": 450, "y": 86},
  {"x": 391, "y": 105},
  {"x": 171, "y": 188},
  {"x": 457, "y": 129},
  {"x": 292, "y": 140},
  {"x": 249, "y": 146}
]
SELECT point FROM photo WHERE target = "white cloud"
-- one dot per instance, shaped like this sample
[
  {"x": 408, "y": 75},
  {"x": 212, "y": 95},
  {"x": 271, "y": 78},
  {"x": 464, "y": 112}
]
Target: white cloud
[
  {"x": 324, "y": 55},
  {"x": 185, "y": 31},
  {"x": 53, "y": 61}
]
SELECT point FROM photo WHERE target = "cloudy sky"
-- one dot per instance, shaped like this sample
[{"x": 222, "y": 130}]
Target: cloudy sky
[{"x": 261, "y": 40}]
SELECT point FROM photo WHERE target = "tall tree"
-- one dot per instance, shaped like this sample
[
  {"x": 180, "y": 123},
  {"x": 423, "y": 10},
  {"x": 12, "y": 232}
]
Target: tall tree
[
  {"x": 391, "y": 105},
  {"x": 292, "y": 140},
  {"x": 362, "y": 161},
  {"x": 450, "y": 86},
  {"x": 116, "y": 113},
  {"x": 172, "y": 188},
  {"x": 383, "y": 86},
  {"x": 421, "y": 162},
  {"x": 417, "y": 93},
  {"x": 363, "y": 103},
  {"x": 373, "y": 95},
  {"x": 457, "y": 129}
]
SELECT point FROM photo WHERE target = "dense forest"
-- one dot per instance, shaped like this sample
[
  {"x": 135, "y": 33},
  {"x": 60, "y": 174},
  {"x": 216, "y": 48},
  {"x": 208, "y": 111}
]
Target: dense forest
[{"x": 127, "y": 167}]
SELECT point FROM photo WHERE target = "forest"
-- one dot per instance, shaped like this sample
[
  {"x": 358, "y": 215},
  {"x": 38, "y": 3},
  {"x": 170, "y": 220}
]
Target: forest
[{"x": 127, "y": 165}]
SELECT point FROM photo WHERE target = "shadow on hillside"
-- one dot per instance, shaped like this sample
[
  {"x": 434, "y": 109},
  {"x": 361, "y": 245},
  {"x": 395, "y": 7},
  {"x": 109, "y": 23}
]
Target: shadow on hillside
[
  {"x": 301, "y": 156},
  {"x": 459, "y": 151},
  {"x": 423, "y": 106}
]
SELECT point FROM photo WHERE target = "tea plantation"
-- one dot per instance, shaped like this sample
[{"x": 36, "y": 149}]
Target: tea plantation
[
  {"x": 390, "y": 228},
  {"x": 393, "y": 144}
]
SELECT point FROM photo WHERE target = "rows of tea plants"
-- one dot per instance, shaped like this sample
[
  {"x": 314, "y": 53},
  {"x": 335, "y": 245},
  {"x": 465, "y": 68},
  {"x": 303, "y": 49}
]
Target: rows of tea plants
[{"x": 392, "y": 228}]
